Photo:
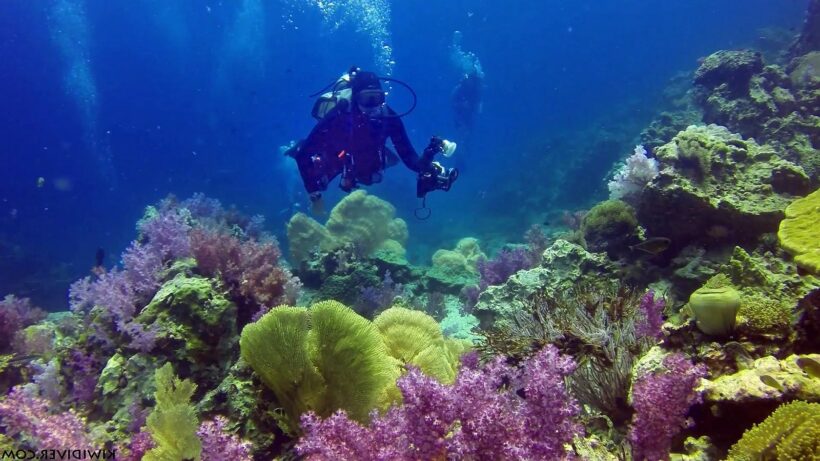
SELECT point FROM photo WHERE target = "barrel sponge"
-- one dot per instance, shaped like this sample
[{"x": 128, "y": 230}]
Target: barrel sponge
[
  {"x": 366, "y": 221},
  {"x": 799, "y": 232},
  {"x": 791, "y": 432}
]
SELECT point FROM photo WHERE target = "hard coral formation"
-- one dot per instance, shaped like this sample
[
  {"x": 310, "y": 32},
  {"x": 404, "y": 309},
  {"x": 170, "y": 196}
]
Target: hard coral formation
[
  {"x": 736, "y": 90},
  {"x": 767, "y": 379},
  {"x": 712, "y": 179},
  {"x": 799, "y": 232},
  {"x": 610, "y": 226},
  {"x": 563, "y": 265}
]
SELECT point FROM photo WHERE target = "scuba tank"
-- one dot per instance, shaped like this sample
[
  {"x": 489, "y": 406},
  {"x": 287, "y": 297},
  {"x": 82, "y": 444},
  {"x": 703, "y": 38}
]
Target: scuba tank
[{"x": 340, "y": 94}]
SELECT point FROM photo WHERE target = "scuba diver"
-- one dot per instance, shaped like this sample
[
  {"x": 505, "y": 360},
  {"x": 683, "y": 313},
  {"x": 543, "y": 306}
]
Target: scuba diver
[
  {"x": 466, "y": 99},
  {"x": 354, "y": 122}
]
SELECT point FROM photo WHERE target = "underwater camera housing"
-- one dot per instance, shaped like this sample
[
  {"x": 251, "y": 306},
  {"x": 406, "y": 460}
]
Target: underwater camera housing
[
  {"x": 435, "y": 177},
  {"x": 440, "y": 179}
]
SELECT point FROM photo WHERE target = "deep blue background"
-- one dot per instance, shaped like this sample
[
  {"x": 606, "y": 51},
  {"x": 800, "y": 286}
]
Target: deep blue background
[{"x": 192, "y": 99}]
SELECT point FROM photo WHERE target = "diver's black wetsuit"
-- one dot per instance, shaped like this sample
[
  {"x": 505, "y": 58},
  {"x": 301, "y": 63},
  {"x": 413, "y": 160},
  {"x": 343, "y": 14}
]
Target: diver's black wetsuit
[{"x": 353, "y": 143}]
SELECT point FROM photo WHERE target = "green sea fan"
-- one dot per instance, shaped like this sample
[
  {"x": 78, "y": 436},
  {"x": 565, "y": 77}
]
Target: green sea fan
[
  {"x": 415, "y": 338},
  {"x": 173, "y": 422},
  {"x": 351, "y": 357},
  {"x": 276, "y": 348},
  {"x": 320, "y": 359}
]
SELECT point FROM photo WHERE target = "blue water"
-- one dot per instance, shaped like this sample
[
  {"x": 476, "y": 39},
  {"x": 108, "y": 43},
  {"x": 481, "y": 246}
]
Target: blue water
[{"x": 116, "y": 104}]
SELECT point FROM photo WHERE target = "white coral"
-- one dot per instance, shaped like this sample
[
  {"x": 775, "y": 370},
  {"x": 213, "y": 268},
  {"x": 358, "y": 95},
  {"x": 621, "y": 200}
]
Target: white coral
[{"x": 633, "y": 176}]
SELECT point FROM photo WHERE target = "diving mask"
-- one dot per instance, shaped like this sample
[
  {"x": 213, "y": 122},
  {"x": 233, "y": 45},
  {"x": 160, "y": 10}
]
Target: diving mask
[{"x": 370, "y": 98}]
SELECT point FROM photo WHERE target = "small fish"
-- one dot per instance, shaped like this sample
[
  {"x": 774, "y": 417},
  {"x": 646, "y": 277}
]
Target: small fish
[
  {"x": 652, "y": 245},
  {"x": 771, "y": 382},
  {"x": 810, "y": 366},
  {"x": 19, "y": 360},
  {"x": 41, "y": 181}
]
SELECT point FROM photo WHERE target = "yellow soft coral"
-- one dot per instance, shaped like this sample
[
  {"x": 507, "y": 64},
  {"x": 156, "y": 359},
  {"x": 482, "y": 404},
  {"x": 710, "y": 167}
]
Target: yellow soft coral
[
  {"x": 799, "y": 233},
  {"x": 363, "y": 220}
]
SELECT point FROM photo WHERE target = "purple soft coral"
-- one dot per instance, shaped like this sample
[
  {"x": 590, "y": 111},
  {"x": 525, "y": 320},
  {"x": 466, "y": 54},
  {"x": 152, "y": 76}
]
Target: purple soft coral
[
  {"x": 21, "y": 413},
  {"x": 218, "y": 444},
  {"x": 651, "y": 319},
  {"x": 16, "y": 314},
  {"x": 481, "y": 416},
  {"x": 249, "y": 268},
  {"x": 506, "y": 263},
  {"x": 661, "y": 401}
]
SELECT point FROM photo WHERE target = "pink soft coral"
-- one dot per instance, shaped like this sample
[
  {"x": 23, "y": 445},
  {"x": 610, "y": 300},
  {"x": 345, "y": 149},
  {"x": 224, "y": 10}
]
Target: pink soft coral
[
  {"x": 495, "y": 412},
  {"x": 249, "y": 268},
  {"x": 21, "y": 413}
]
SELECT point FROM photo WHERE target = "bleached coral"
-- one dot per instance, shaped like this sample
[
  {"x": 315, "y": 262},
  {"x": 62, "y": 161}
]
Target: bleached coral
[{"x": 637, "y": 172}]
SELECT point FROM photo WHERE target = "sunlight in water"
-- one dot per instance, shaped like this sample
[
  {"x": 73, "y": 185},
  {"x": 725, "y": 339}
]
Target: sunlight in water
[
  {"x": 371, "y": 17},
  {"x": 69, "y": 31}
]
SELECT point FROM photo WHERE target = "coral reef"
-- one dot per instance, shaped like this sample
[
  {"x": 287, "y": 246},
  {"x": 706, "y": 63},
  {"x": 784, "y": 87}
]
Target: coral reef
[
  {"x": 563, "y": 265},
  {"x": 766, "y": 379},
  {"x": 194, "y": 347},
  {"x": 736, "y": 90},
  {"x": 711, "y": 180}
]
